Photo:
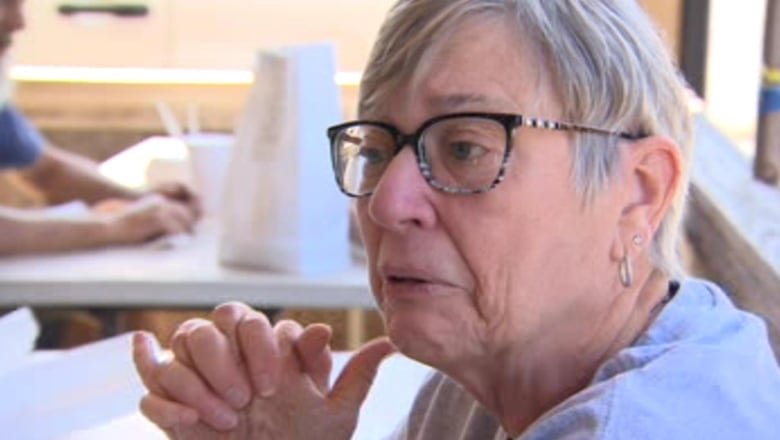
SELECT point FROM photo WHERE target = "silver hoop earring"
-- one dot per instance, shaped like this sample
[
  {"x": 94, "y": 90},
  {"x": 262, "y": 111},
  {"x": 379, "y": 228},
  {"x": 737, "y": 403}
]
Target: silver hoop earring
[{"x": 626, "y": 272}]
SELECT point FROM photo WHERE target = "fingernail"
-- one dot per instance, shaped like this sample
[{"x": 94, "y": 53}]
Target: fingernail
[
  {"x": 266, "y": 385},
  {"x": 226, "y": 420},
  {"x": 236, "y": 396}
]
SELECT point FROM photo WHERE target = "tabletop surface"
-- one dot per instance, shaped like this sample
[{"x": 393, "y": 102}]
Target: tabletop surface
[
  {"x": 182, "y": 271},
  {"x": 179, "y": 271}
]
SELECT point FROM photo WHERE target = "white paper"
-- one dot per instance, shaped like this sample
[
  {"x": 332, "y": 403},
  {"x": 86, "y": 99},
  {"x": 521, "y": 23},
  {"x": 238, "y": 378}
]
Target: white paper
[
  {"x": 388, "y": 403},
  {"x": 18, "y": 332},
  {"x": 60, "y": 392}
]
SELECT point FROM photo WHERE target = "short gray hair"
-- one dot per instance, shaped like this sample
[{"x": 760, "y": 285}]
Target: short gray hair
[{"x": 610, "y": 69}]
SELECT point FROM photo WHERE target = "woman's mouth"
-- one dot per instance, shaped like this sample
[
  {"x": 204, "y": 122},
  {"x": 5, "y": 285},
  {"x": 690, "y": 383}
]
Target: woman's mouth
[
  {"x": 414, "y": 285},
  {"x": 405, "y": 280}
]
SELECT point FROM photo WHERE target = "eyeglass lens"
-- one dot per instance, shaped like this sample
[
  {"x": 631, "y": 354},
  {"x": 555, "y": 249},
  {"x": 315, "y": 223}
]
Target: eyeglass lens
[{"x": 462, "y": 154}]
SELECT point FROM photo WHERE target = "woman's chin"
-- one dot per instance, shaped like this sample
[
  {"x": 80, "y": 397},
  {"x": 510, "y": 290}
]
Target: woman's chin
[{"x": 419, "y": 339}]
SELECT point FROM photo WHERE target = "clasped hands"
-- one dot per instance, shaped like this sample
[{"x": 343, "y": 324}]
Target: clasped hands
[{"x": 237, "y": 377}]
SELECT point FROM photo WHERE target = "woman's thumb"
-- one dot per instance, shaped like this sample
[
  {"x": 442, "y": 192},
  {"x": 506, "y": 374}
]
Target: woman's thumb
[{"x": 358, "y": 375}]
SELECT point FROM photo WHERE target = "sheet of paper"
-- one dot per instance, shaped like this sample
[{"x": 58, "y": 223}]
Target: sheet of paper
[
  {"x": 18, "y": 332},
  {"x": 387, "y": 404},
  {"x": 54, "y": 394}
]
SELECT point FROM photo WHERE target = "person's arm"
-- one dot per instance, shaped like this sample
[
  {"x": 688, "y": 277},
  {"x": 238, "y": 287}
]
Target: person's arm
[
  {"x": 63, "y": 176},
  {"x": 24, "y": 231}
]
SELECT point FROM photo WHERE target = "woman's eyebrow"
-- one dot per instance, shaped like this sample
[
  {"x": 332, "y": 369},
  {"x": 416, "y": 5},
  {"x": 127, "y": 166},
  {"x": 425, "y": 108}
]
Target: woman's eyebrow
[
  {"x": 458, "y": 100},
  {"x": 465, "y": 101}
]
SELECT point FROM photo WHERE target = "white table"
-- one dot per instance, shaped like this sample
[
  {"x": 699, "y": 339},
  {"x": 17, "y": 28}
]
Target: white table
[
  {"x": 179, "y": 273},
  {"x": 184, "y": 274}
]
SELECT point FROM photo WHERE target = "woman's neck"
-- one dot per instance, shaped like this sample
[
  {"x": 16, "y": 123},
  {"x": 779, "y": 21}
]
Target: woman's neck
[{"x": 520, "y": 387}]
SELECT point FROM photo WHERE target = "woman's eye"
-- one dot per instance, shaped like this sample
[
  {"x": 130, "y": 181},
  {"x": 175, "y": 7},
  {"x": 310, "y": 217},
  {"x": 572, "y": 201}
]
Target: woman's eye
[
  {"x": 372, "y": 156},
  {"x": 466, "y": 151}
]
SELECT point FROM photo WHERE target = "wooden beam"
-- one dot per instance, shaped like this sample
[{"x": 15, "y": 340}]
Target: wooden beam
[
  {"x": 84, "y": 106},
  {"x": 767, "y": 163},
  {"x": 734, "y": 224}
]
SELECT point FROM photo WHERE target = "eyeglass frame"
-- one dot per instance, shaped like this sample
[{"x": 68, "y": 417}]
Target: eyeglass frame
[{"x": 510, "y": 122}]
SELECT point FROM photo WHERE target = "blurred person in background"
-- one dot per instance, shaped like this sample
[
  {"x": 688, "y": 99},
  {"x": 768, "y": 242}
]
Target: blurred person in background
[{"x": 116, "y": 215}]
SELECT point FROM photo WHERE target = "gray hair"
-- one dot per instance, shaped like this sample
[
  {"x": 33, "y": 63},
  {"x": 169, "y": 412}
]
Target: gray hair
[{"x": 609, "y": 67}]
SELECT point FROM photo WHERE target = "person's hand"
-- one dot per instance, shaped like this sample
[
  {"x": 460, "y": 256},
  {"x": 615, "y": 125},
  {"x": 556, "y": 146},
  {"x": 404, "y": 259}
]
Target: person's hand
[
  {"x": 140, "y": 220},
  {"x": 239, "y": 373},
  {"x": 181, "y": 193}
]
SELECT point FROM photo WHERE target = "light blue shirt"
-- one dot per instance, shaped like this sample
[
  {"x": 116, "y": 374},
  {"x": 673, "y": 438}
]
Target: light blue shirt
[
  {"x": 20, "y": 142},
  {"x": 703, "y": 370}
]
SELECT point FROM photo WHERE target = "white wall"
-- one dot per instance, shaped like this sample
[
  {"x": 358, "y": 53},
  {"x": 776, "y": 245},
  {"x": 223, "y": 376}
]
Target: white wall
[{"x": 734, "y": 66}]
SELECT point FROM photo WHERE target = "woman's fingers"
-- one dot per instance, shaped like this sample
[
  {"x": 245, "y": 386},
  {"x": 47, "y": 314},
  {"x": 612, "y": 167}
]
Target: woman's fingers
[
  {"x": 166, "y": 414},
  {"x": 218, "y": 363},
  {"x": 259, "y": 347},
  {"x": 313, "y": 350},
  {"x": 179, "y": 339},
  {"x": 352, "y": 385},
  {"x": 171, "y": 381},
  {"x": 211, "y": 349},
  {"x": 186, "y": 387},
  {"x": 147, "y": 359},
  {"x": 227, "y": 316},
  {"x": 287, "y": 333}
]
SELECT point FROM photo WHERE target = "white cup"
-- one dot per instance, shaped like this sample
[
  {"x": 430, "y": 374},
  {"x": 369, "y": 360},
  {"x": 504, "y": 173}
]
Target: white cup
[{"x": 209, "y": 156}]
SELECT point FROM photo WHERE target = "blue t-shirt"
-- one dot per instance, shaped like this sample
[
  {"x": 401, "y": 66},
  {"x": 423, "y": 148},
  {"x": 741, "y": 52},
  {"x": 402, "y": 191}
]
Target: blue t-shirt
[
  {"x": 20, "y": 142},
  {"x": 704, "y": 370}
]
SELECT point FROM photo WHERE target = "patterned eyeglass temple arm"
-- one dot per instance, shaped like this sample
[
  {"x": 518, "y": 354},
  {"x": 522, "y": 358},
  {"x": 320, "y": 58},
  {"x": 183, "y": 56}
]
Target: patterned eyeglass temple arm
[{"x": 564, "y": 126}]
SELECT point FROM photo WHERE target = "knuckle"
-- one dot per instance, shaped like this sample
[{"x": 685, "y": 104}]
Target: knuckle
[
  {"x": 176, "y": 379},
  {"x": 287, "y": 329},
  {"x": 179, "y": 336},
  {"x": 254, "y": 323},
  {"x": 178, "y": 340},
  {"x": 152, "y": 410},
  {"x": 287, "y": 325},
  {"x": 196, "y": 322},
  {"x": 205, "y": 334},
  {"x": 165, "y": 374},
  {"x": 147, "y": 409},
  {"x": 228, "y": 311},
  {"x": 186, "y": 328},
  {"x": 179, "y": 348}
]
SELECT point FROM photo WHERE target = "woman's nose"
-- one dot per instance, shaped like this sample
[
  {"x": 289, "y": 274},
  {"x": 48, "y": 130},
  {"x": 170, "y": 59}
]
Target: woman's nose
[{"x": 402, "y": 198}]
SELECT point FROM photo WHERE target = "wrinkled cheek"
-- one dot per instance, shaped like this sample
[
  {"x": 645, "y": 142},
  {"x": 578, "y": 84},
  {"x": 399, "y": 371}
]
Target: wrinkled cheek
[
  {"x": 491, "y": 303},
  {"x": 488, "y": 299},
  {"x": 371, "y": 242},
  {"x": 376, "y": 288}
]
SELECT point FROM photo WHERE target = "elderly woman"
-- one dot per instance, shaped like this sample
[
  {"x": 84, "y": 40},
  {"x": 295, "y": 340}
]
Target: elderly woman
[{"x": 520, "y": 173}]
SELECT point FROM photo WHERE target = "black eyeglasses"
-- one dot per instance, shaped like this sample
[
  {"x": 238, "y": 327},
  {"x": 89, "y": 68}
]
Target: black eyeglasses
[{"x": 459, "y": 153}]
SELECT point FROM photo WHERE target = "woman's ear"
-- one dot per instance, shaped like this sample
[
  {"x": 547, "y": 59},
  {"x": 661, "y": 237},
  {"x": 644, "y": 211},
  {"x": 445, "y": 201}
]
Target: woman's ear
[{"x": 653, "y": 172}]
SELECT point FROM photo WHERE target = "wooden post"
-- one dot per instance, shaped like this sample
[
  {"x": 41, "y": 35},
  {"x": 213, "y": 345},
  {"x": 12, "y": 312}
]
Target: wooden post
[
  {"x": 693, "y": 42},
  {"x": 767, "y": 162}
]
